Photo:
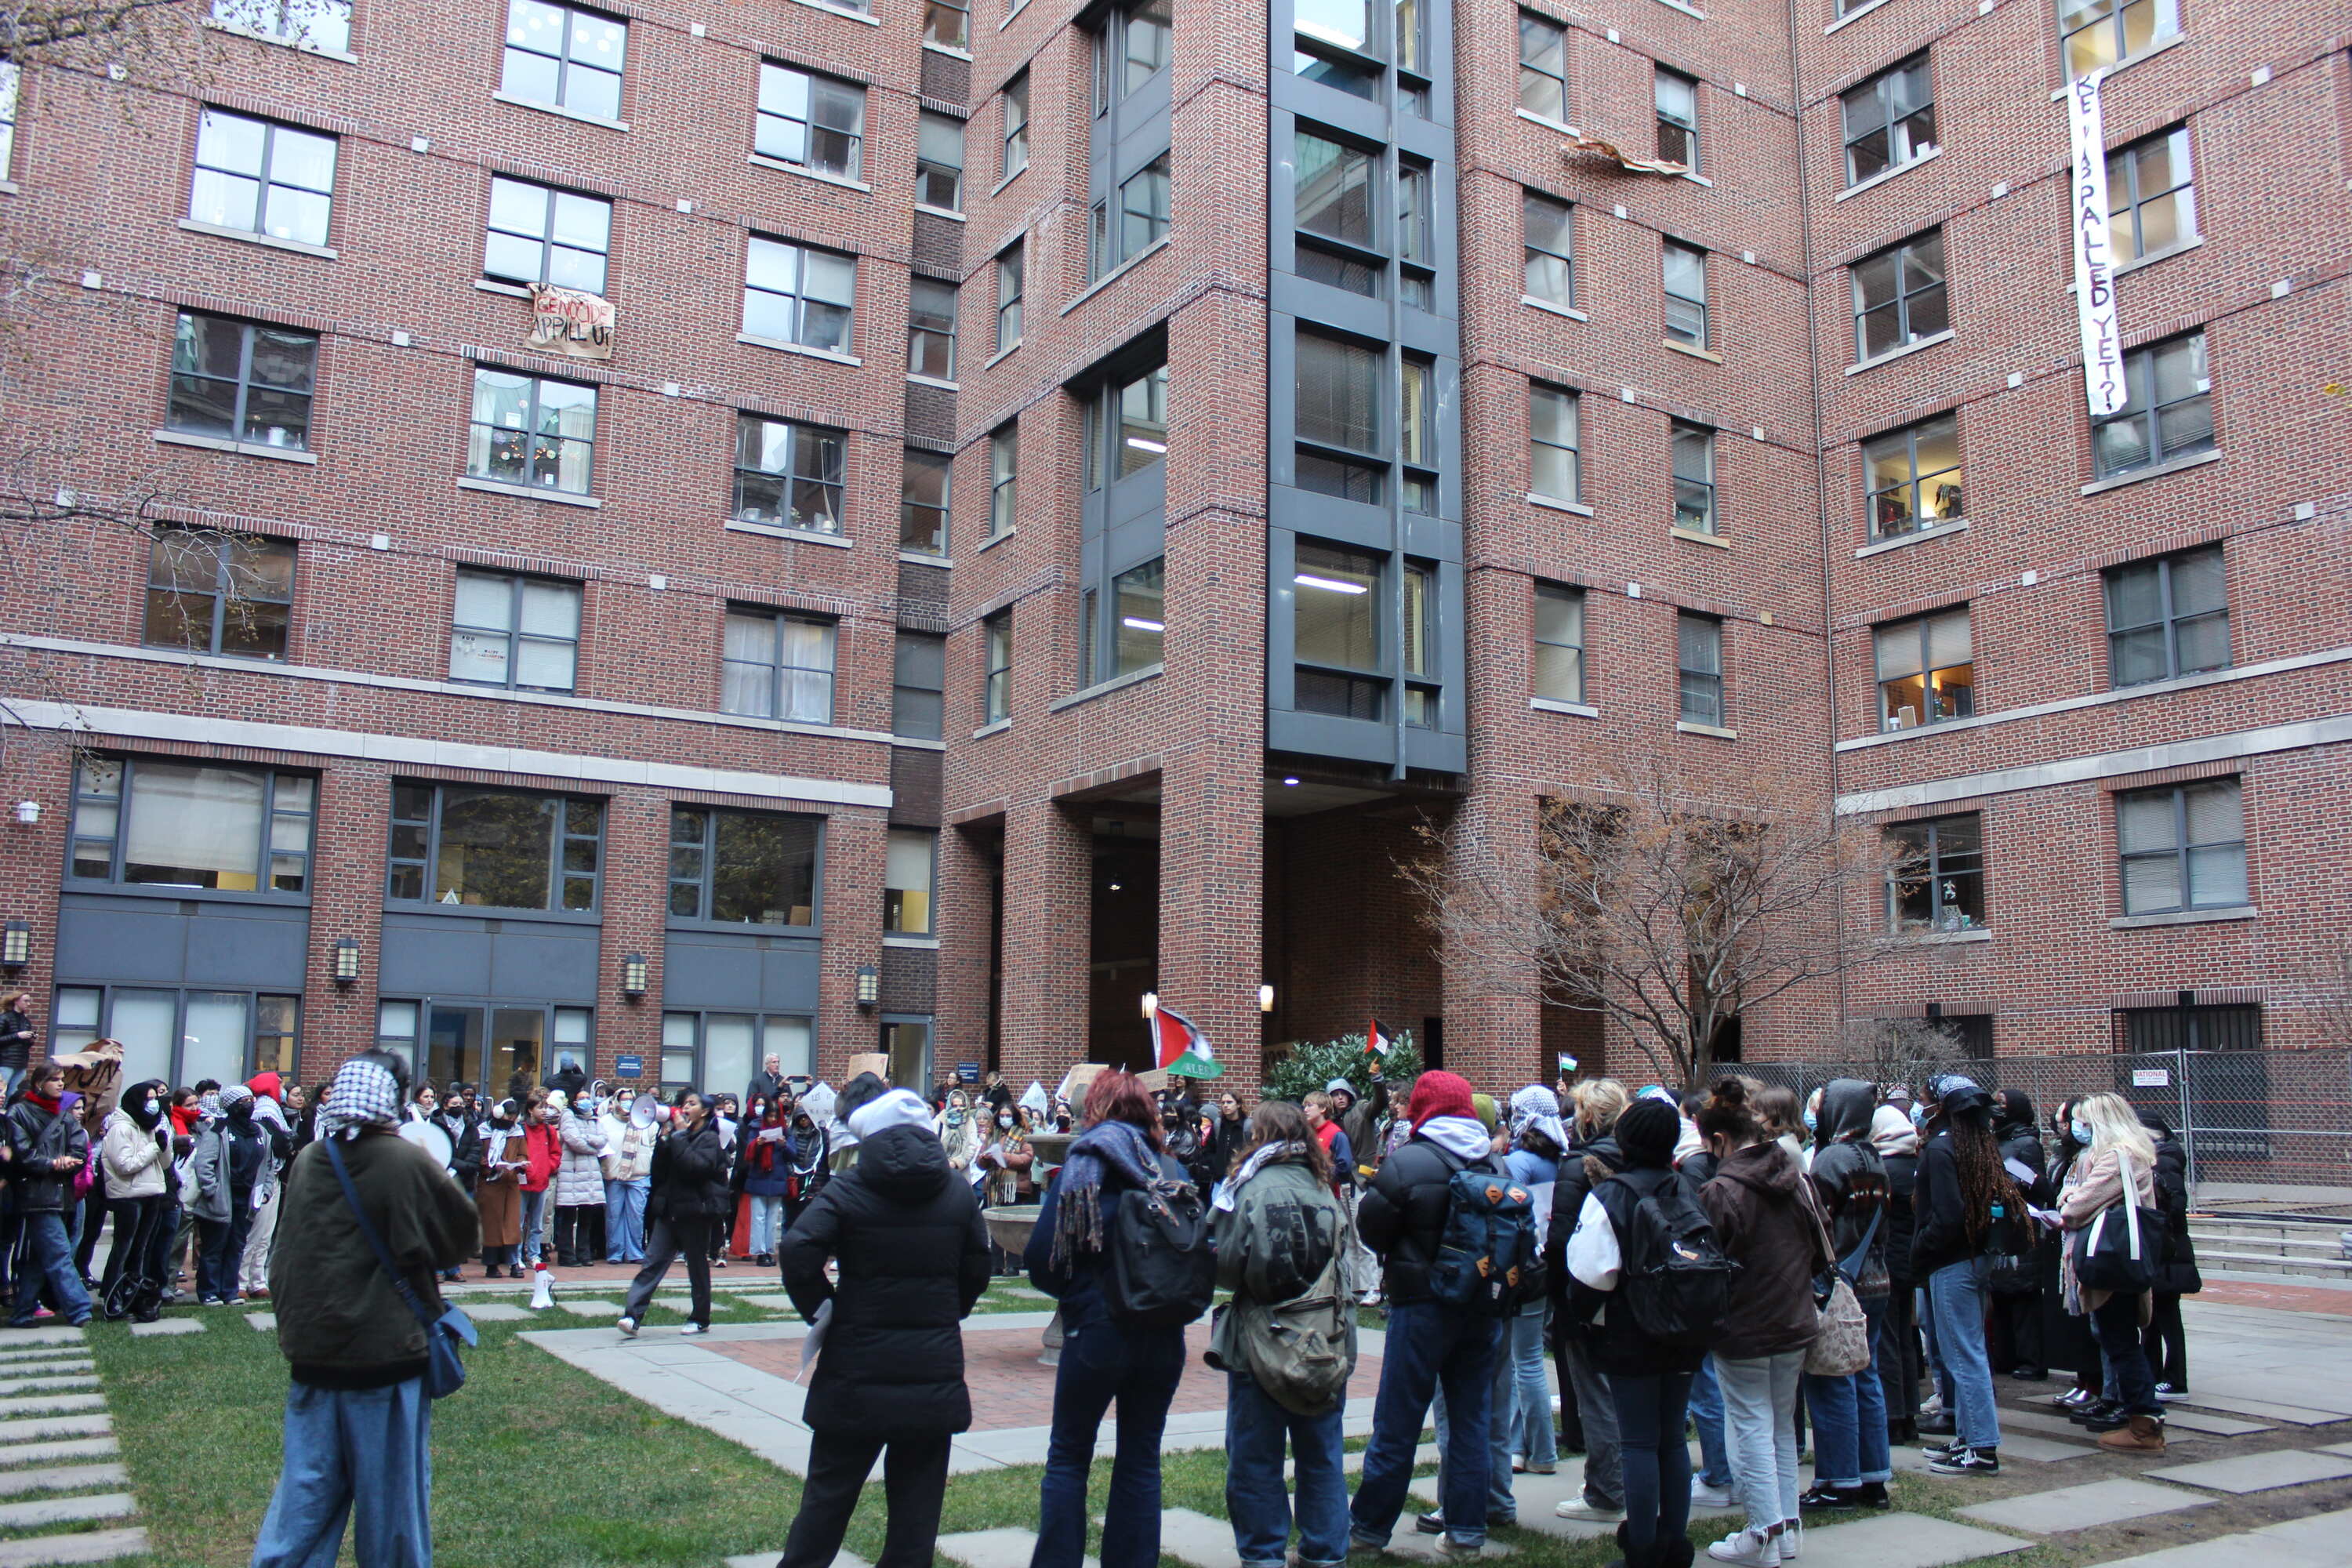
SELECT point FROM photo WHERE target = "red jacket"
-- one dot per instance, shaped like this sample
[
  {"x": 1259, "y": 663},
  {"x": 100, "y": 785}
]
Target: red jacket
[{"x": 543, "y": 1144}]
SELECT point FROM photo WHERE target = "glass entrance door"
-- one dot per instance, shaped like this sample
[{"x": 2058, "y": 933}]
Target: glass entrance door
[
  {"x": 908, "y": 1043},
  {"x": 453, "y": 1048}
]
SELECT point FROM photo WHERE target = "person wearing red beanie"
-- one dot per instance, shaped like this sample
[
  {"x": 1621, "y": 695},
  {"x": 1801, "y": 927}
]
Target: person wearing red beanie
[{"x": 1439, "y": 1093}]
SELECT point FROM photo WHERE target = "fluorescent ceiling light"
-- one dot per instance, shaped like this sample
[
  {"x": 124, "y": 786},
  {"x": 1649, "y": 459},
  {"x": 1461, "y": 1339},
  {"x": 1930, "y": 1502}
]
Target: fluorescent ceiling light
[
  {"x": 1142, "y": 625},
  {"x": 1141, "y": 445},
  {"x": 1328, "y": 585}
]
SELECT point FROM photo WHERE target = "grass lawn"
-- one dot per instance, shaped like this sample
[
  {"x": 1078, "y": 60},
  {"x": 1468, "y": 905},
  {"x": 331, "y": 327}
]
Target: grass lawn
[{"x": 538, "y": 1464}]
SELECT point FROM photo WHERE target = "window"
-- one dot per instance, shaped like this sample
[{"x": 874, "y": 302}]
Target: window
[
  {"x": 798, "y": 294},
  {"x": 182, "y": 1036},
  {"x": 923, "y": 502},
  {"x": 708, "y": 1050},
  {"x": 1130, "y": 49},
  {"x": 541, "y": 236},
  {"x": 1926, "y": 670},
  {"x": 508, "y": 849},
  {"x": 906, "y": 881},
  {"x": 939, "y": 162},
  {"x": 1550, "y": 233},
  {"x": 2151, "y": 195},
  {"x": 1686, "y": 295},
  {"x": 1694, "y": 465},
  {"x": 10, "y": 82},
  {"x": 570, "y": 58},
  {"x": 2167, "y": 617},
  {"x": 777, "y": 667},
  {"x": 1138, "y": 221},
  {"x": 1553, "y": 417},
  {"x": 2102, "y": 32},
  {"x": 261, "y": 177},
  {"x": 1914, "y": 476},
  {"x": 2183, "y": 847},
  {"x": 522, "y": 633},
  {"x": 1008, "y": 296},
  {"x": 158, "y": 822},
  {"x": 1419, "y": 632},
  {"x": 238, "y": 381},
  {"x": 1890, "y": 120},
  {"x": 2167, "y": 413},
  {"x": 1004, "y": 479},
  {"x": 1417, "y": 433},
  {"x": 527, "y": 431},
  {"x": 1937, "y": 881},
  {"x": 1560, "y": 644},
  {"x": 788, "y": 475},
  {"x": 1676, "y": 96},
  {"x": 1898, "y": 296},
  {"x": 1337, "y": 387},
  {"x": 220, "y": 593},
  {"x": 1129, "y": 428},
  {"x": 1138, "y": 599},
  {"x": 931, "y": 329},
  {"x": 811, "y": 120},
  {"x": 1331, "y": 45},
  {"x": 743, "y": 867},
  {"x": 1333, "y": 202},
  {"x": 947, "y": 24},
  {"x": 1016, "y": 126},
  {"x": 996, "y": 680},
  {"x": 1698, "y": 662},
  {"x": 1415, "y": 243},
  {"x": 1335, "y": 632},
  {"x": 1543, "y": 67},
  {"x": 917, "y": 685},
  {"x": 311, "y": 24}
]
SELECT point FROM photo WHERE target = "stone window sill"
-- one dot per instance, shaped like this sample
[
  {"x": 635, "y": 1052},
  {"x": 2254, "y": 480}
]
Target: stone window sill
[
  {"x": 998, "y": 189},
  {"x": 2153, "y": 257},
  {"x": 778, "y": 530},
  {"x": 558, "y": 110},
  {"x": 993, "y": 540},
  {"x": 1693, "y": 175},
  {"x": 783, "y": 345},
  {"x": 1942, "y": 938},
  {"x": 1104, "y": 687},
  {"x": 842, "y": 11},
  {"x": 1684, "y": 726},
  {"x": 2128, "y": 62},
  {"x": 1685, "y": 10},
  {"x": 2154, "y": 471},
  {"x": 934, "y": 381},
  {"x": 1884, "y": 175},
  {"x": 2183, "y": 918},
  {"x": 760, "y": 159},
  {"x": 930, "y": 943},
  {"x": 527, "y": 492},
  {"x": 511, "y": 290},
  {"x": 926, "y": 558},
  {"x": 1695, "y": 537},
  {"x": 1853, "y": 15},
  {"x": 243, "y": 449},
  {"x": 914, "y": 743},
  {"x": 1116, "y": 273},
  {"x": 1708, "y": 355},
  {"x": 11, "y": 188},
  {"x": 1570, "y": 312},
  {"x": 997, "y": 358},
  {"x": 247, "y": 237},
  {"x": 1549, "y": 124},
  {"x": 947, "y": 49},
  {"x": 1880, "y": 547},
  {"x": 996, "y": 728},
  {"x": 1551, "y": 503},
  {"x": 1549, "y": 705},
  {"x": 939, "y": 212},
  {"x": 1891, "y": 355},
  {"x": 296, "y": 45}
]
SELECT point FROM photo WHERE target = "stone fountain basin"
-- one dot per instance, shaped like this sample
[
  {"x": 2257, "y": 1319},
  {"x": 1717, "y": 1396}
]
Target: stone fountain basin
[{"x": 1010, "y": 1226}]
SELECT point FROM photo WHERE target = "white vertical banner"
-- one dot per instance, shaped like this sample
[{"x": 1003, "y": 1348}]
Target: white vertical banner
[{"x": 2094, "y": 261}]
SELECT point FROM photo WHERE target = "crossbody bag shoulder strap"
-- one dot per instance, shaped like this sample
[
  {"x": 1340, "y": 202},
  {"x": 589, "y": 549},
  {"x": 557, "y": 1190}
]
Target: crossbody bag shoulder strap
[{"x": 407, "y": 1292}]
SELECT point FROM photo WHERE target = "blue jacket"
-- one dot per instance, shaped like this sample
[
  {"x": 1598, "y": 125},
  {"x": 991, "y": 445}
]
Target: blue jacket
[{"x": 1077, "y": 1281}]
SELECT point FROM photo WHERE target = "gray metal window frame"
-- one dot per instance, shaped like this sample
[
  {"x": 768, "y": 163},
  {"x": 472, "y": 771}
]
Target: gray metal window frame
[
  {"x": 1919, "y": 516},
  {"x": 559, "y": 842},
  {"x": 546, "y": 239},
  {"x": 2182, "y": 846},
  {"x": 254, "y": 994},
  {"x": 1528, "y": 68},
  {"x": 244, "y": 381},
  {"x": 1921, "y": 626},
  {"x": 2123, "y": 175},
  {"x": 1931, "y": 870},
  {"x": 934, "y": 685},
  {"x": 531, "y": 431},
  {"x": 914, "y": 460},
  {"x": 1681, "y": 435},
  {"x": 702, "y": 919},
  {"x": 1707, "y": 681},
  {"x": 996, "y": 668},
  {"x": 1671, "y": 124},
  {"x": 1567, "y": 258},
  {"x": 1015, "y": 148},
  {"x": 1566, "y": 594},
  {"x": 799, "y": 435},
  {"x": 1705, "y": 334},
  {"x": 226, "y": 590},
  {"x": 759, "y": 1018},
  {"x": 1879, "y": 89},
  {"x": 926, "y": 167},
  {"x": 1902, "y": 251},
  {"x": 1573, "y": 401},
  {"x": 564, "y": 61},
  {"x": 816, "y": 80},
  {"x": 2167, "y": 615},
  {"x": 513, "y": 632},
  {"x": 2118, "y": 20},
  {"x": 798, "y": 292},
  {"x": 269, "y": 130},
  {"x": 2151, "y": 412},
  {"x": 779, "y": 670},
  {"x": 127, "y": 765},
  {"x": 921, "y": 327},
  {"x": 1003, "y": 477},
  {"x": 1011, "y": 288}
]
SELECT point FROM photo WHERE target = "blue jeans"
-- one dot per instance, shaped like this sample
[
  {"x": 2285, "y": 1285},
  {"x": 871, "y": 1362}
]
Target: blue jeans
[
  {"x": 46, "y": 1258},
  {"x": 767, "y": 1223},
  {"x": 1529, "y": 1430},
  {"x": 1706, "y": 1414},
  {"x": 1255, "y": 1499},
  {"x": 534, "y": 1225},
  {"x": 1850, "y": 1443},
  {"x": 220, "y": 1251},
  {"x": 1956, "y": 1304},
  {"x": 1102, "y": 1362},
  {"x": 1502, "y": 1504},
  {"x": 1657, "y": 1460},
  {"x": 1429, "y": 1347},
  {"x": 2129, "y": 1382},
  {"x": 363, "y": 1450},
  {"x": 624, "y": 1220}
]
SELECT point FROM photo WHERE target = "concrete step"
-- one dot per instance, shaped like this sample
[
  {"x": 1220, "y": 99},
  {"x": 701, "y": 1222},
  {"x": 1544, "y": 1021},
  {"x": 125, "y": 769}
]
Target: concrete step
[
  {"x": 2304, "y": 1243},
  {"x": 89, "y": 1546},
  {"x": 2231, "y": 1261},
  {"x": 63, "y": 1479},
  {"x": 66, "y": 1509}
]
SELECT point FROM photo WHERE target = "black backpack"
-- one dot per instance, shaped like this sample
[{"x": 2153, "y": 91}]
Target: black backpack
[
  {"x": 1163, "y": 1266},
  {"x": 1673, "y": 1276}
]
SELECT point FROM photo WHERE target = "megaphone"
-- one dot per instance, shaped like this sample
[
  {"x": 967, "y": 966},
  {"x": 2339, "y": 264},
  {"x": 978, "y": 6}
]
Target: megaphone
[
  {"x": 644, "y": 1111},
  {"x": 542, "y": 1289}
]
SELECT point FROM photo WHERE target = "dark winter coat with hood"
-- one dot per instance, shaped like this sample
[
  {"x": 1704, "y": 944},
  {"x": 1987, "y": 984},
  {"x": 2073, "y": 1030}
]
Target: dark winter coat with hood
[
  {"x": 690, "y": 1176},
  {"x": 1851, "y": 1179},
  {"x": 1763, "y": 1223},
  {"x": 914, "y": 1258},
  {"x": 2172, "y": 1198},
  {"x": 2020, "y": 1140},
  {"x": 1582, "y": 1170}
]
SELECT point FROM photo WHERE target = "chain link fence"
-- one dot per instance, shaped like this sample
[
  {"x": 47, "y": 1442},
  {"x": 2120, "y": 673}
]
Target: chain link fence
[{"x": 2263, "y": 1117}]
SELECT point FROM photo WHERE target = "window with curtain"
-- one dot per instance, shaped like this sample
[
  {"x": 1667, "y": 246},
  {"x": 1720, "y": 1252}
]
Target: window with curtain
[
  {"x": 1676, "y": 96},
  {"x": 2168, "y": 410},
  {"x": 531, "y": 430},
  {"x": 1926, "y": 670},
  {"x": 939, "y": 162},
  {"x": 2183, "y": 847},
  {"x": 931, "y": 329},
  {"x": 1698, "y": 659},
  {"x": 166, "y": 822},
  {"x": 789, "y": 475},
  {"x": 2167, "y": 617},
  {"x": 1549, "y": 230},
  {"x": 909, "y": 859},
  {"x": 1693, "y": 458},
  {"x": 1685, "y": 287},
  {"x": 522, "y": 633},
  {"x": 777, "y": 666}
]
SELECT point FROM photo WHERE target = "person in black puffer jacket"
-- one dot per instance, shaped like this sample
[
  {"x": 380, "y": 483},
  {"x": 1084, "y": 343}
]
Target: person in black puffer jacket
[
  {"x": 889, "y": 1380},
  {"x": 689, "y": 1196},
  {"x": 2165, "y": 1339},
  {"x": 2014, "y": 1328},
  {"x": 1852, "y": 1463},
  {"x": 1592, "y": 1160},
  {"x": 1898, "y": 1143}
]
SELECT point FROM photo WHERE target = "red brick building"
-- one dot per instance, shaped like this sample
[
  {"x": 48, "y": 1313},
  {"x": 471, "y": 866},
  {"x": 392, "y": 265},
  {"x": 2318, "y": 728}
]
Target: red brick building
[{"x": 1300, "y": 433}]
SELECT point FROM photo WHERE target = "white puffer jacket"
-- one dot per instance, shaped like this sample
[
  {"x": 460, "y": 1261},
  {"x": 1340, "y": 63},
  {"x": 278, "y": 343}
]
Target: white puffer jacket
[
  {"x": 580, "y": 1178},
  {"x": 135, "y": 1160}
]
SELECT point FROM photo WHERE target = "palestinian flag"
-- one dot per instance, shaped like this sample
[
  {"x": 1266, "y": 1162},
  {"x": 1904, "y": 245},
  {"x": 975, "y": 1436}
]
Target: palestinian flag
[
  {"x": 1180, "y": 1047},
  {"x": 1377, "y": 1040}
]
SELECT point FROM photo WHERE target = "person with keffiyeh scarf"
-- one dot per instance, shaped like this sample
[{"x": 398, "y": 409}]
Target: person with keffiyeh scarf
[{"x": 1121, "y": 1155}]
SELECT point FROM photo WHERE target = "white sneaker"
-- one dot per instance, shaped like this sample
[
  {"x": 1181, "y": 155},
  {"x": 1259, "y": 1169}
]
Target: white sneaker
[
  {"x": 1750, "y": 1549},
  {"x": 1576, "y": 1508},
  {"x": 695, "y": 1328},
  {"x": 628, "y": 1327},
  {"x": 1704, "y": 1496},
  {"x": 1792, "y": 1541}
]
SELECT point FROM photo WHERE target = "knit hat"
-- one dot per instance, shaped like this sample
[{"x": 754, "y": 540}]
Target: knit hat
[
  {"x": 234, "y": 1095},
  {"x": 1647, "y": 1131},
  {"x": 1482, "y": 1107},
  {"x": 1439, "y": 1093},
  {"x": 900, "y": 1108}
]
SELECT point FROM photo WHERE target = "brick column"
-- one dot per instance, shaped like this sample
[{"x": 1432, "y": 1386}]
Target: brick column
[
  {"x": 1494, "y": 1039},
  {"x": 347, "y": 870},
  {"x": 1213, "y": 896},
  {"x": 855, "y": 845},
  {"x": 967, "y": 910},
  {"x": 635, "y": 906},
  {"x": 1049, "y": 920}
]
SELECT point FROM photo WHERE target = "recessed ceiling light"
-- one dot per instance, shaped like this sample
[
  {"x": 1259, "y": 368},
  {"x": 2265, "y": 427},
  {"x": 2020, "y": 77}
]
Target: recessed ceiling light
[
  {"x": 1290, "y": 783},
  {"x": 1330, "y": 585}
]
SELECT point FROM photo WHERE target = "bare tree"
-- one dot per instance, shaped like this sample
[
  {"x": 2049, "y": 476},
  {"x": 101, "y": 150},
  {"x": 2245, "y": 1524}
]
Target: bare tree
[
  {"x": 1667, "y": 908},
  {"x": 1889, "y": 1051}
]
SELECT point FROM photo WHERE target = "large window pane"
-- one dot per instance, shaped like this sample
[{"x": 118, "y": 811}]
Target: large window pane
[
  {"x": 497, "y": 849},
  {"x": 906, "y": 881},
  {"x": 1339, "y": 392},
  {"x": 764, "y": 869},
  {"x": 194, "y": 826},
  {"x": 1338, "y": 598}
]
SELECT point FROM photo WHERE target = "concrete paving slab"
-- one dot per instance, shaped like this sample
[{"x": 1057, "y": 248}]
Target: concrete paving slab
[
  {"x": 993, "y": 1549},
  {"x": 1414, "y": 1547},
  {"x": 51, "y": 1453},
  {"x": 60, "y": 1334},
  {"x": 497, "y": 1312},
  {"x": 19, "y": 1385},
  {"x": 66, "y": 1509},
  {"x": 27, "y": 1362},
  {"x": 58, "y": 1404},
  {"x": 2040, "y": 1450},
  {"x": 2237, "y": 1551},
  {"x": 63, "y": 1477},
  {"x": 2083, "y": 1507},
  {"x": 2291, "y": 1415},
  {"x": 768, "y": 1559},
  {"x": 589, "y": 1308},
  {"x": 2343, "y": 1449},
  {"x": 1193, "y": 1537},
  {"x": 45, "y": 1426},
  {"x": 2244, "y": 1473},
  {"x": 266, "y": 1322},
  {"x": 2320, "y": 1530},
  {"x": 87, "y": 1546},
  {"x": 1904, "y": 1540},
  {"x": 2175, "y": 1419},
  {"x": 162, "y": 1327}
]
